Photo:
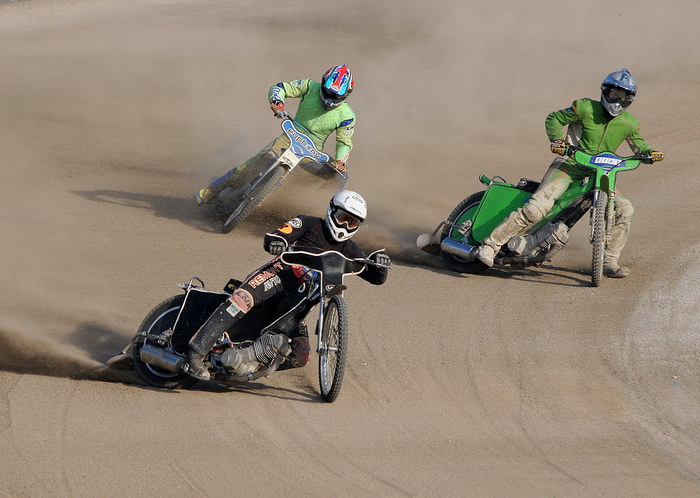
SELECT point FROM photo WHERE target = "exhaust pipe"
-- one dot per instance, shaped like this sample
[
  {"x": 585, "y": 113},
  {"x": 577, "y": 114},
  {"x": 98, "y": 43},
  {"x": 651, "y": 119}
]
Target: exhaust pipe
[
  {"x": 457, "y": 248},
  {"x": 161, "y": 358}
]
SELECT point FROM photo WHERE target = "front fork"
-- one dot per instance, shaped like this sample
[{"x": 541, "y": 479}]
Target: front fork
[{"x": 609, "y": 216}]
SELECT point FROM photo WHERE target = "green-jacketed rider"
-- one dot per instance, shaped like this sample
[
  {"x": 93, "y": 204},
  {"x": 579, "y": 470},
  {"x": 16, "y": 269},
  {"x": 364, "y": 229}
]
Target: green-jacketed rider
[
  {"x": 322, "y": 110},
  {"x": 602, "y": 126}
]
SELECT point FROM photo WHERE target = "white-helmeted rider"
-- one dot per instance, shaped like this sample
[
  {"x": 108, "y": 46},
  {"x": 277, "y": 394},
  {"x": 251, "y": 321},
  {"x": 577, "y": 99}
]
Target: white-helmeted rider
[{"x": 279, "y": 283}]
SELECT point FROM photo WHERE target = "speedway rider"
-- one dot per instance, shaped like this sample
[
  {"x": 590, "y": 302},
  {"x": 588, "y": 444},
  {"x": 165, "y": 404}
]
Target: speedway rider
[
  {"x": 346, "y": 212},
  {"x": 322, "y": 110},
  {"x": 605, "y": 125}
]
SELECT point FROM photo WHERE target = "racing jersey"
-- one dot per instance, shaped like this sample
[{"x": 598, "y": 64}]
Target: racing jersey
[
  {"x": 310, "y": 233},
  {"x": 311, "y": 115},
  {"x": 600, "y": 132}
]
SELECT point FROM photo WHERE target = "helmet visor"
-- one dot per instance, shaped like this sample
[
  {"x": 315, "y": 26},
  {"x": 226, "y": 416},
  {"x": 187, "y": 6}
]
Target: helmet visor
[
  {"x": 616, "y": 95},
  {"x": 350, "y": 221}
]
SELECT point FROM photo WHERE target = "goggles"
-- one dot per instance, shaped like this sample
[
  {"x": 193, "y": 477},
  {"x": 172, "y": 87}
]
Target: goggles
[
  {"x": 620, "y": 96},
  {"x": 344, "y": 218}
]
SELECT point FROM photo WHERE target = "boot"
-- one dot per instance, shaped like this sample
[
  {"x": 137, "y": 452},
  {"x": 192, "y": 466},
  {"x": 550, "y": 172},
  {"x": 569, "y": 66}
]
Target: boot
[
  {"x": 485, "y": 254},
  {"x": 613, "y": 270},
  {"x": 195, "y": 366},
  {"x": 203, "y": 196},
  {"x": 204, "y": 339}
]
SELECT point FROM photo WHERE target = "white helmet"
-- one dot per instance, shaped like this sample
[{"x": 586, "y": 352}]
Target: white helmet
[{"x": 346, "y": 212}]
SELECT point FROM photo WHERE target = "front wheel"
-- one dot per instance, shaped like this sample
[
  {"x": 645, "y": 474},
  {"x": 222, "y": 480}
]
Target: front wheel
[
  {"x": 254, "y": 198},
  {"x": 465, "y": 210},
  {"x": 598, "y": 238},
  {"x": 160, "y": 319},
  {"x": 331, "y": 364}
]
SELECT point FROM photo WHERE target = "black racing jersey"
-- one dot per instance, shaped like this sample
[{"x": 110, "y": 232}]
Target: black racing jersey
[{"x": 310, "y": 233}]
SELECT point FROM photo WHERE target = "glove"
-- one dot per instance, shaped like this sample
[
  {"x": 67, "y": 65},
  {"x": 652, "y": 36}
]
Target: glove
[
  {"x": 558, "y": 147},
  {"x": 276, "y": 247},
  {"x": 339, "y": 165},
  {"x": 277, "y": 107},
  {"x": 656, "y": 155},
  {"x": 382, "y": 259}
]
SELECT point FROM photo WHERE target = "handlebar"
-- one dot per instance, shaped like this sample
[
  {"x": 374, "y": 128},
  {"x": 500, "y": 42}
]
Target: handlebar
[{"x": 571, "y": 149}]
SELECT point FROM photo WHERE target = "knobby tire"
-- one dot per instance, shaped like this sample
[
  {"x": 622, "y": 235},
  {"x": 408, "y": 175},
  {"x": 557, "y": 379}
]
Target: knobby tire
[
  {"x": 256, "y": 197},
  {"x": 599, "y": 239},
  {"x": 160, "y": 318},
  {"x": 331, "y": 364},
  {"x": 455, "y": 263}
]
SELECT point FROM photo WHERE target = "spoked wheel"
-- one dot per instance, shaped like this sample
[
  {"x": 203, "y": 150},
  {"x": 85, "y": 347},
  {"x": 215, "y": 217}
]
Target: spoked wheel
[
  {"x": 599, "y": 238},
  {"x": 464, "y": 211},
  {"x": 254, "y": 198},
  {"x": 331, "y": 364},
  {"x": 161, "y": 318}
]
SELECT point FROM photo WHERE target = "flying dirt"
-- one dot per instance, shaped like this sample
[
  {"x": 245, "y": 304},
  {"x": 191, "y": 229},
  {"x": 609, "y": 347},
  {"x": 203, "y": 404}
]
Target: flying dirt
[{"x": 525, "y": 382}]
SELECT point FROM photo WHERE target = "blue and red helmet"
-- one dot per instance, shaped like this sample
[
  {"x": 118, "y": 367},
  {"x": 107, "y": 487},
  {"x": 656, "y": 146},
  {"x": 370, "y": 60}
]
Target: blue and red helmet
[{"x": 336, "y": 85}]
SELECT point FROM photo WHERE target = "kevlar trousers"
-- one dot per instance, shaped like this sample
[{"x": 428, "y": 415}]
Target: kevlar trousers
[{"x": 555, "y": 182}]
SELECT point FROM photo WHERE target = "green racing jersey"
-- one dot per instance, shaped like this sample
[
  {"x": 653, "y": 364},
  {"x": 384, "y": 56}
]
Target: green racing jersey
[
  {"x": 599, "y": 132},
  {"x": 312, "y": 116}
]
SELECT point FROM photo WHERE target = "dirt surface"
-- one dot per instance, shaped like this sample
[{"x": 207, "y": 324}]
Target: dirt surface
[{"x": 508, "y": 383}]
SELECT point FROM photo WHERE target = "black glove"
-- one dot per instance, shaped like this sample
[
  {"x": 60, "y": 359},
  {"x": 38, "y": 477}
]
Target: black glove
[
  {"x": 382, "y": 259},
  {"x": 276, "y": 247}
]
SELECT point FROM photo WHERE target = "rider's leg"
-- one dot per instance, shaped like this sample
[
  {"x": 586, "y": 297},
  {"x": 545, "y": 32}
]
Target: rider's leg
[
  {"x": 555, "y": 182},
  {"x": 223, "y": 318},
  {"x": 263, "y": 284},
  {"x": 266, "y": 155},
  {"x": 619, "y": 233}
]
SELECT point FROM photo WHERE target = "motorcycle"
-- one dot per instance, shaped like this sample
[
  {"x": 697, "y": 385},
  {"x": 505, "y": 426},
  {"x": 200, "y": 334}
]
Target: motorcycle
[
  {"x": 456, "y": 239},
  {"x": 158, "y": 351},
  {"x": 234, "y": 203}
]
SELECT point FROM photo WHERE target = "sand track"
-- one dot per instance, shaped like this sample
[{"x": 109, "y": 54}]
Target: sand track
[{"x": 526, "y": 383}]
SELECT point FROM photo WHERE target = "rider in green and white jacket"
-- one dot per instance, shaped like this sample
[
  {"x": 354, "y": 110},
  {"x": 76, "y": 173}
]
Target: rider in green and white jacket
[
  {"x": 322, "y": 110},
  {"x": 597, "y": 126}
]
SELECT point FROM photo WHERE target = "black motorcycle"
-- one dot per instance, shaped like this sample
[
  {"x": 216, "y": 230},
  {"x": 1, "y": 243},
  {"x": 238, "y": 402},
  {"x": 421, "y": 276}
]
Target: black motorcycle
[{"x": 158, "y": 351}]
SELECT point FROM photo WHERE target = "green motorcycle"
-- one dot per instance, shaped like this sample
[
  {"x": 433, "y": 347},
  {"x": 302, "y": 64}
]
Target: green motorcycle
[{"x": 457, "y": 238}]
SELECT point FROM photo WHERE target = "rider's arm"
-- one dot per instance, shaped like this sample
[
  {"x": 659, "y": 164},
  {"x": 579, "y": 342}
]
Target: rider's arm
[
  {"x": 287, "y": 233},
  {"x": 372, "y": 274},
  {"x": 294, "y": 89},
  {"x": 555, "y": 121},
  {"x": 343, "y": 138},
  {"x": 637, "y": 143}
]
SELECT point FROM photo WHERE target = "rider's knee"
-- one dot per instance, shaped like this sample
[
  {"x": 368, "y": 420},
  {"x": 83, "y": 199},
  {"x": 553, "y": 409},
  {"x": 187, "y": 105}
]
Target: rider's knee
[
  {"x": 301, "y": 352},
  {"x": 533, "y": 211},
  {"x": 624, "y": 211}
]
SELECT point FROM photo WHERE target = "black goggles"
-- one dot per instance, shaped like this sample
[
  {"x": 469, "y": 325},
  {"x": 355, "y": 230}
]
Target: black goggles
[{"x": 621, "y": 96}]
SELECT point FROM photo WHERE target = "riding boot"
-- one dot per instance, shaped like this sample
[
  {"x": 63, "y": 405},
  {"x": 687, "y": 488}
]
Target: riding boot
[{"x": 202, "y": 341}]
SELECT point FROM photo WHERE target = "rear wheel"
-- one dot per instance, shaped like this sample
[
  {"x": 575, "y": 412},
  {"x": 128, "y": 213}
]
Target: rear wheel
[
  {"x": 160, "y": 319},
  {"x": 599, "y": 239},
  {"x": 465, "y": 210},
  {"x": 254, "y": 198},
  {"x": 331, "y": 364}
]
